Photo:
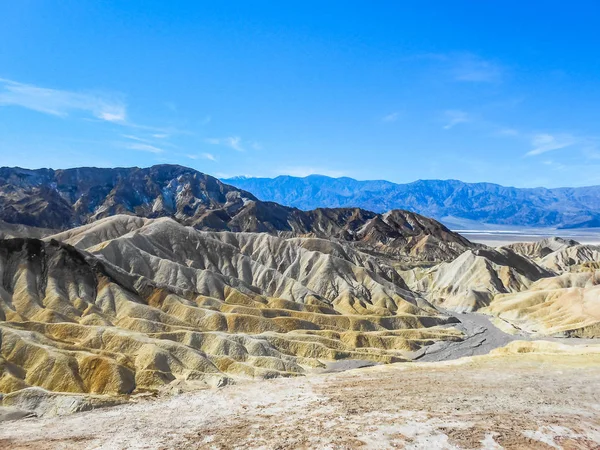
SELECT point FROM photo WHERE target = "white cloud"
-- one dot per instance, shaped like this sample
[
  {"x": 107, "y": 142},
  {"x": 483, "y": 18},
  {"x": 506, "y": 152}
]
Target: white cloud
[
  {"x": 455, "y": 117},
  {"x": 136, "y": 138},
  {"x": 544, "y": 142},
  {"x": 160, "y": 136},
  {"x": 392, "y": 117},
  {"x": 233, "y": 142},
  {"x": 143, "y": 147},
  {"x": 61, "y": 103},
  {"x": 146, "y": 143}
]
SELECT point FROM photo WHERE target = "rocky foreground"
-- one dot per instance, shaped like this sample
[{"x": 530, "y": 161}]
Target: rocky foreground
[{"x": 535, "y": 395}]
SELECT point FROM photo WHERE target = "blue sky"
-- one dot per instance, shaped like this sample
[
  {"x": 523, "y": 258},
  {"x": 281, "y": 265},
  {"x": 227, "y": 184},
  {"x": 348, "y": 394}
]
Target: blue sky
[{"x": 505, "y": 92}]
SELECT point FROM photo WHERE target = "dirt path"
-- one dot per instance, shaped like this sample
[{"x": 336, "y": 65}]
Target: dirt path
[
  {"x": 482, "y": 337},
  {"x": 535, "y": 401}
]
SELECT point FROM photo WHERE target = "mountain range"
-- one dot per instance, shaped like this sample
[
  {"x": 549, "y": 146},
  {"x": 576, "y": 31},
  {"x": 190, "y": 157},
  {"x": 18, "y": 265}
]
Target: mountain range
[
  {"x": 444, "y": 200},
  {"x": 62, "y": 199}
]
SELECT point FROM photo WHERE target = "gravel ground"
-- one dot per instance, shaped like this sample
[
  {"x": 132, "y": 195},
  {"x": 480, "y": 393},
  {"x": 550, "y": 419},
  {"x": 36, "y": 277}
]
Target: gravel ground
[
  {"x": 482, "y": 336},
  {"x": 512, "y": 401}
]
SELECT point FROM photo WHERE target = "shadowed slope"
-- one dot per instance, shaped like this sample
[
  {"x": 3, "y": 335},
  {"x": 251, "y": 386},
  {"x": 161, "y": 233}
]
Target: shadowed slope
[
  {"x": 567, "y": 305},
  {"x": 573, "y": 259},
  {"x": 11, "y": 230},
  {"x": 540, "y": 249},
  {"x": 521, "y": 284},
  {"x": 62, "y": 199},
  {"x": 183, "y": 258},
  {"x": 474, "y": 278}
]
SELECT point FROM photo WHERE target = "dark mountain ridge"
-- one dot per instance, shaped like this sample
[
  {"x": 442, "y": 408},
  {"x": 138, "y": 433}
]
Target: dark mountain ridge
[
  {"x": 481, "y": 202},
  {"x": 62, "y": 199}
]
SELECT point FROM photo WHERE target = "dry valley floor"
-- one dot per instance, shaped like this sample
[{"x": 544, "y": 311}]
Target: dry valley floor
[{"x": 550, "y": 398}]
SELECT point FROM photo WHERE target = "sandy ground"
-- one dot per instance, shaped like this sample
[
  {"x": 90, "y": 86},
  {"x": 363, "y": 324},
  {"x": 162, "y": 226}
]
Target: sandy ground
[
  {"x": 514, "y": 401},
  {"x": 482, "y": 336}
]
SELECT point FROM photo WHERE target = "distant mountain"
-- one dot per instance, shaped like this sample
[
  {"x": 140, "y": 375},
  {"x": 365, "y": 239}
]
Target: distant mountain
[
  {"x": 61, "y": 199},
  {"x": 440, "y": 199}
]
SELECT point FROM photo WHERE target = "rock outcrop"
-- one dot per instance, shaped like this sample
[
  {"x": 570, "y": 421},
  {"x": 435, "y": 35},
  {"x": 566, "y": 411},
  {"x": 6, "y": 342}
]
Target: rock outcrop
[
  {"x": 566, "y": 305},
  {"x": 127, "y": 304},
  {"x": 471, "y": 281},
  {"x": 11, "y": 230},
  {"x": 573, "y": 259},
  {"x": 540, "y": 249}
]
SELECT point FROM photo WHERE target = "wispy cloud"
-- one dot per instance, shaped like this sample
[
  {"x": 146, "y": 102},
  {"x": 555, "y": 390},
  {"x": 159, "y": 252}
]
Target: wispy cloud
[
  {"x": 150, "y": 142},
  {"x": 208, "y": 156},
  {"x": 454, "y": 117},
  {"x": 392, "y": 117},
  {"x": 591, "y": 151},
  {"x": 545, "y": 142},
  {"x": 465, "y": 66},
  {"x": 554, "y": 165},
  {"x": 233, "y": 142},
  {"x": 506, "y": 131},
  {"x": 61, "y": 103},
  {"x": 162, "y": 132},
  {"x": 541, "y": 143},
  {"x": 136, "y": 138},
  {"x": 143, "y": 147},
  {"x": 470, "y": 67}
]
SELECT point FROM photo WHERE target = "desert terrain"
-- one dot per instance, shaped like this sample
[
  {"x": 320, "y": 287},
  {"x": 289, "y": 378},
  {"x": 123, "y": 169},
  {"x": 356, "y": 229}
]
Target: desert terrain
[
  {"x": 299, "y": 225},
  {"x": 161, "y": 308}
]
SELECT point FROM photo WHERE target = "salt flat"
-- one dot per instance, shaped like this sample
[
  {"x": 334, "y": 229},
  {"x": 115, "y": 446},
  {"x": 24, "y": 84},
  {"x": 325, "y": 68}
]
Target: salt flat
[{"x": 498, "y": 235}]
